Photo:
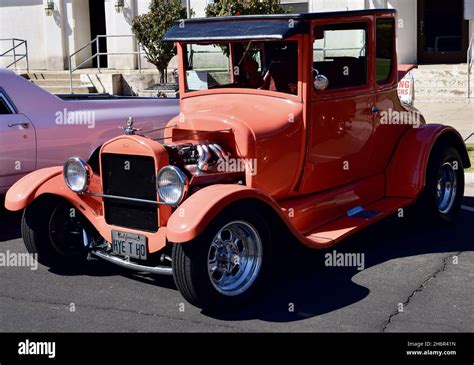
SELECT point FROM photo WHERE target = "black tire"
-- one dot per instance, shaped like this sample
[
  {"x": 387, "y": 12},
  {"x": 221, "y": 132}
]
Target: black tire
[
  {"x": 427, "y": 209},
  {"x": 190, "y": 262},
  {"x": 55, "y": 248}
]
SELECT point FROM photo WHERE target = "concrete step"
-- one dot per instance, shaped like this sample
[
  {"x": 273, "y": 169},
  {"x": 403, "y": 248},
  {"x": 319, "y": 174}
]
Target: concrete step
[
  {"x": 440, "y": 75},
  {"x": 54, "y": 75},
  {"x": 440, "y": 82},
  {"x": 66, "y": 90},
  {"x": 57, "y": 82},
  {"x": 439, "y": 91},
  {"x": 458, "y": 69},
  {"x": 445, "y": 100},
  {"x": 448, "y": 83}
]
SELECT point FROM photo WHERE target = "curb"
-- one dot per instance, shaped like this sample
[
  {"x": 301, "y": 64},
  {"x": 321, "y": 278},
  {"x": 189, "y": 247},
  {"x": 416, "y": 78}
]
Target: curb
[{"x": 469, "y": 178}]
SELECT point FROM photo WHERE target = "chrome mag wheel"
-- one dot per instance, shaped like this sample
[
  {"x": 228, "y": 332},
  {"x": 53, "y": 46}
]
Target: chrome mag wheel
[
  {"x": 234, "y": 258},
  {"x": 446, "y": 187}
]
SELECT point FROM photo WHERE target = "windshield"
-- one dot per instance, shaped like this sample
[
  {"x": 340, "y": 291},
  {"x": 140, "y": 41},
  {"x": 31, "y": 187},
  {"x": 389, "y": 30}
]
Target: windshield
[{"x": 250, "y": 65}]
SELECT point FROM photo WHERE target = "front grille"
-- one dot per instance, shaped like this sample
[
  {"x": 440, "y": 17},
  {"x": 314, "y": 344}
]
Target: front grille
[{"x": 133, "y": 177}]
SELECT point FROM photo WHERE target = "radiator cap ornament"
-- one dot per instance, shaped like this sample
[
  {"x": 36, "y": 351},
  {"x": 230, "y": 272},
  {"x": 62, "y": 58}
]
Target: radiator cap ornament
[{"x": 129, "y": 130}]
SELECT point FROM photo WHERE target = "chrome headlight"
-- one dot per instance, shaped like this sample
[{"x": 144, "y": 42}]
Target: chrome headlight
[
  {"x": 77, "y": 174},
  {"x": 171, "y": 184}
]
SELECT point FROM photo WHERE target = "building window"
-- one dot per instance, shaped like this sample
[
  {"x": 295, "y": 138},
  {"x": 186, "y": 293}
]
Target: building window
[
  {"x": 384, "y": 50},
  {"x": 340, "y": 54}
]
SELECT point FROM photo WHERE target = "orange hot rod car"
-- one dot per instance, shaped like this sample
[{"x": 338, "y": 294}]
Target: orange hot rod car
[{"x": 290, "y": 120}]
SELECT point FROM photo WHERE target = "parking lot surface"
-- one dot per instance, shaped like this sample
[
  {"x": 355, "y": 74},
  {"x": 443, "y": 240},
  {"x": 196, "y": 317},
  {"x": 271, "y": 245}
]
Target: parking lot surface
[{"x": 415, "y": 278}]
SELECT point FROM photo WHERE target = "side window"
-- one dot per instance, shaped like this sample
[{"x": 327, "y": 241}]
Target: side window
[
  {"x": 5, "y": 108},
  {"x": 384, "y": 50},
  {"x": 340, "y": 54}
]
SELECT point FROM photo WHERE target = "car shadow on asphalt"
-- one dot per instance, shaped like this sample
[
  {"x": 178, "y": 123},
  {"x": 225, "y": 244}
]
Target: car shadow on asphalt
[
  {"x": 10, "y": 224},
  {"x": 305, "y": 287},
  {"x": 10, "y": 229},
  {"x": 102, "y": 268}
]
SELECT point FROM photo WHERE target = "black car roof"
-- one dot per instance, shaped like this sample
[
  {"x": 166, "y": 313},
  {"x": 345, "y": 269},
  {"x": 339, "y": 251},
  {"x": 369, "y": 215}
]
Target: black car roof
[{"x": 246, "y": 27}]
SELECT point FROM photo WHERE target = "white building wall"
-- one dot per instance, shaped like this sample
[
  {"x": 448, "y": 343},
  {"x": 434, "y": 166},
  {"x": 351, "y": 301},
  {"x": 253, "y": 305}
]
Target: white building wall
[
  {"x": 79, "y": 22},
  {"x": 75, "y": 32},
  {"x": 326, "y": 5},
  {"x": 55, "y": 28},
  {"x": 121, "y": 24},
  {"x": 406, "y": 30},
  {"x": 142, "y": 8},
  {"x": 51, "y": 39},
  {"x": 24, "y": 21},
  {"x": 471, "y": 29},
  {"x": 376, "y": 4},
  {"x": 469, "y": 15},
  {"x": 199, "y": 7}
]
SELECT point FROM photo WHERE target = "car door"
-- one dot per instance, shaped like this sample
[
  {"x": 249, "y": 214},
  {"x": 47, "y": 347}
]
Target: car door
[
  {"x": 391, "y": 119},
  {"x": 17, "y": 143},
  {"x": 341, "y": 115}
]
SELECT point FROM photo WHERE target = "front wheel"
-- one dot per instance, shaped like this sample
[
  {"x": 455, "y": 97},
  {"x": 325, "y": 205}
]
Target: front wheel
[
  {"x": 226, "y": 264},
  {"x": 52, "y": 229}
]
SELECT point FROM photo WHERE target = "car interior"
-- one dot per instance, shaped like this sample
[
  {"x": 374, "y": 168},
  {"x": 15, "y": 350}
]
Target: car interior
[{"x": 339, "y": 56}]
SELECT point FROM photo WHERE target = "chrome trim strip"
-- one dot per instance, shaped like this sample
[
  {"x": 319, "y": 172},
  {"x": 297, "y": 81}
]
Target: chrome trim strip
[
  {"x": 126, "y": 198},
  {"x": 164, "y": 270}
]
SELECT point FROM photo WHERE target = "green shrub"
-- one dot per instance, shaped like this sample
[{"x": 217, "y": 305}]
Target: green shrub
[
  {"x": 150, "y": 28},
  {"x": 243, "y": 7}
]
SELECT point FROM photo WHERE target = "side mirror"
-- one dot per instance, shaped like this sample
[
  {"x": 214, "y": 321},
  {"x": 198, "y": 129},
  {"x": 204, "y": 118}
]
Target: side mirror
[{"x": 320, "y": 82}]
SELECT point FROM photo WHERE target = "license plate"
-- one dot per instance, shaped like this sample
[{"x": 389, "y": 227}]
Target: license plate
[{"x": 129, "y": 244}]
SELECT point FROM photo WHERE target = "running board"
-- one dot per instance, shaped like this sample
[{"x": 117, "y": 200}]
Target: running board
[{"x": 356, "y": 219}]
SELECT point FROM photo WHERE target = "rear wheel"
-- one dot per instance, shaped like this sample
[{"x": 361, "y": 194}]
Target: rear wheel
[
  {"x": 444, "y": 188},
  {"x": 226, "y": 264},
  {"x": 52, "y": 229}
]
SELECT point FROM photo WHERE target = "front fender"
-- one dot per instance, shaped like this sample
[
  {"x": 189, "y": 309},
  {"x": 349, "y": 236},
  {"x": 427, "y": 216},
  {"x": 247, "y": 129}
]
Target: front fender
[
  {"x": 406, "y": 172},
  {"x": 196, "y": 212},
  {"x": 23, "y": 192}
]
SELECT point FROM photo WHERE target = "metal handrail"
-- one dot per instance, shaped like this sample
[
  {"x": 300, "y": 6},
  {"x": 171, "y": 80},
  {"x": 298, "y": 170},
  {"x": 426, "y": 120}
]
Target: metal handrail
[
  {"x": 16, "y": 57},
  {"x": 469, "y": 67},
  {"x": 97, "y": 55}
]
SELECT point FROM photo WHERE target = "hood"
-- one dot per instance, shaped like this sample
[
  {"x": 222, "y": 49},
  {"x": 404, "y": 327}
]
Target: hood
[{"x": 268, "y": 130}]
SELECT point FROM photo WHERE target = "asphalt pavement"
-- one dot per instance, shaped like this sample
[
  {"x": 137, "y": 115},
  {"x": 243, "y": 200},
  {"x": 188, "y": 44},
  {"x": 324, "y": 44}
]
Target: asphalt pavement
[{"x": 415, "y": 278}]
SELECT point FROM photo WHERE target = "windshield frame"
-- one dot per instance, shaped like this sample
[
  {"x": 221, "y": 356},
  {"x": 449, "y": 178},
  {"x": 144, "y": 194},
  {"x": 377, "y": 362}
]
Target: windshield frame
[{"x": 181, "y": 48}]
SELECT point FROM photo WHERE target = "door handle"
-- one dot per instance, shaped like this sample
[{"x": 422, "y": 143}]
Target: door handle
[
  {"x": 374, "y": 109},
  {"x": 23, "y": 125}
]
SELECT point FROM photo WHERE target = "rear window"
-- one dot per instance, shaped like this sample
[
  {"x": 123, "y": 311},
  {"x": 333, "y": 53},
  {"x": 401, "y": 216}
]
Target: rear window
[{"x": 384, "y": 50}]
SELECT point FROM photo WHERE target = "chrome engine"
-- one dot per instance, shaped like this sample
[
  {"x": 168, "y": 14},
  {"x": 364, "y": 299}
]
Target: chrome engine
[{"x": 204, "y": 156}]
